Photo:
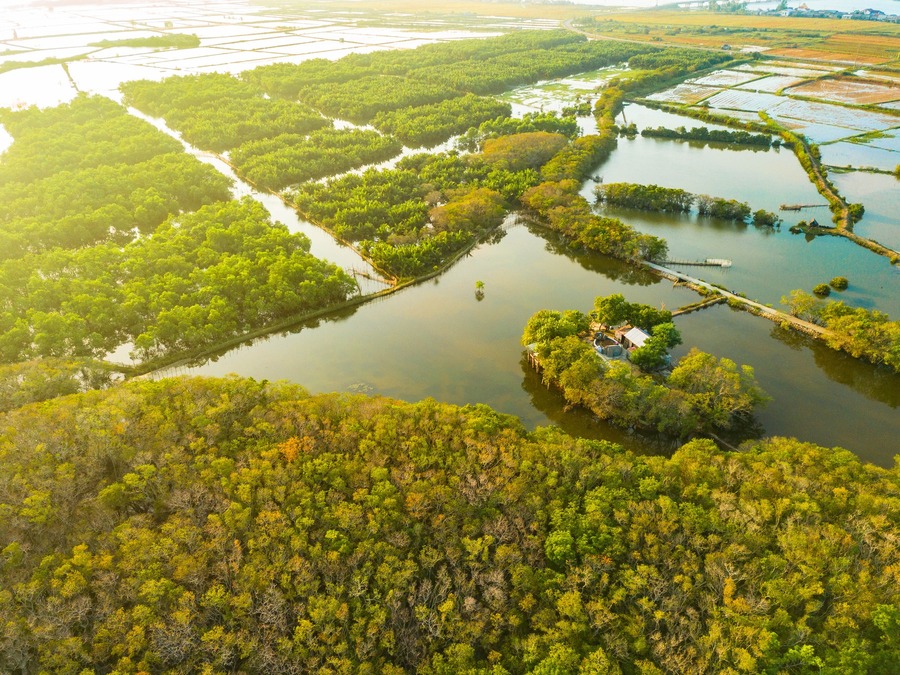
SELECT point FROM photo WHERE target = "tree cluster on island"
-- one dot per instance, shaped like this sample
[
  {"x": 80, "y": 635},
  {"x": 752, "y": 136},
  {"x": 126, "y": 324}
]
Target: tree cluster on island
[
  {"x": 675, "y": 200},
  {"x": 702, "y": 395},
  {"x": 862, "y": 333},
  {"x": 709, "y": 135}
]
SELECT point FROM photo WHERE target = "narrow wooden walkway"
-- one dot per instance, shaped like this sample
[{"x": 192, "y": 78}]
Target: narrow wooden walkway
[
  {"x": 797, "y": 207},
  {"x": 709, "y": 262},
  {"x": 756, "y": 307}
]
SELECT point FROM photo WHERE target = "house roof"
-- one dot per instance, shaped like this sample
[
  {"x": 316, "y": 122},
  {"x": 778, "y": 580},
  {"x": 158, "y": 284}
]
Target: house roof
[{"x": 637, "y": 337}]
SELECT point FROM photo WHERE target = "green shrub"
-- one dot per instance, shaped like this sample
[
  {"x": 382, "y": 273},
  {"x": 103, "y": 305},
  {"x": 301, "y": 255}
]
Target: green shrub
[
  {"x": 822, "y": 290},
  {"x": 839, "y": 283}
]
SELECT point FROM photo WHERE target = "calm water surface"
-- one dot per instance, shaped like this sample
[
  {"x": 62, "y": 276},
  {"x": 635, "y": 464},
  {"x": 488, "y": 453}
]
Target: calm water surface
[
  {"x": 820, "y": 395},
  {"x": 880, "y": 194},
  {"x": 437, "y": 340},
  {"x": 768, "y": 262}
]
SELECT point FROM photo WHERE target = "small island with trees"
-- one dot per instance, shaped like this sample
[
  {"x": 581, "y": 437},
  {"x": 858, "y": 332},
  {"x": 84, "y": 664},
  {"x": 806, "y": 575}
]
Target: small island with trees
[
  {"x": 237, "y": 525},
  {"x": 701, "y": 395}
]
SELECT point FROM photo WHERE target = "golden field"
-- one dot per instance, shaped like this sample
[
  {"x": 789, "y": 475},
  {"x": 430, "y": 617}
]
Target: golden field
[
  {"x": 469, "y": 8},
  {"x": 866, "y": 42}
]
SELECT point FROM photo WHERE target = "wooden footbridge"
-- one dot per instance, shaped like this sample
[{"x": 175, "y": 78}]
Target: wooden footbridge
[
  {"x": 755, "y": 307},
  {"x": 797, "y": 207},
  {"x": 709, "y": 262}
]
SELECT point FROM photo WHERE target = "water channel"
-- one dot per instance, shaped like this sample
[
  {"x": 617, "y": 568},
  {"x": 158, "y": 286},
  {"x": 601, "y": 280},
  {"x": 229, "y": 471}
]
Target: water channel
[
  {"x": 322, "y": 244},
  {"x": 768, "y": 262},
  {"x": 437, "y": 339}
]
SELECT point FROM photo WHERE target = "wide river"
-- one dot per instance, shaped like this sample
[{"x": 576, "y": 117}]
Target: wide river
[{"x": 437, "y": 339}]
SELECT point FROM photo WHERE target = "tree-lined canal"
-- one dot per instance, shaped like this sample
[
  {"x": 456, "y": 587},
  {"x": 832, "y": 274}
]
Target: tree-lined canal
[{"x": 436, "y": 339}]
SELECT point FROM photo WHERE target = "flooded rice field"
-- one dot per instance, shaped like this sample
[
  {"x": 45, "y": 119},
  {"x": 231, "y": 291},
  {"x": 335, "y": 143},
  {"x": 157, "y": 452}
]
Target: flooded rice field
[
  {"x": 234, "y": 36},
  {"x": 554, "y": 95},
  {"x": 769, "y": 86},
  {"x": 859, "y": 156},
  {"x": 725, "y": 78},
  {"x": 854, "y": 91}
]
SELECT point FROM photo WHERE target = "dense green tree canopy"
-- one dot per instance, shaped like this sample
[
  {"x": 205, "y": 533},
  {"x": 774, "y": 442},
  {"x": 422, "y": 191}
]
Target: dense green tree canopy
[
  {"x": 87, "y": 132},
  {"x": 613, "y": 310},
  {"x": 43, "y": 379},
  {"x": 702, "y": 395},
  {"x": 237, "y": 526},
  {"x": 646, "y": 197},
  {"x": 412, "y": 219},
  {"x": 286, "y": 80},
  {"x": 550, "y": 122},
  {"x": 673, "y": 200},
  {"x": 198, "y": 279},
  {"x": 713, "y": 135},
  {"x": 288, "y": 159},
  {"x": 434, "y": 123},
  {"x": 114, "y": 202},
  {"x": 529, "y": 150},
  {"x": 361, "y": 99},
  {"x": 87, "y": 172},
  {"x": 567, "y": 212},
  {"x": 217, "y": 112},
  {"x": 862, "y": 333}
]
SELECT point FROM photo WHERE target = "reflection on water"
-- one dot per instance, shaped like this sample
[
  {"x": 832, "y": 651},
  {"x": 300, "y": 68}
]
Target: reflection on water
[
  {"x": 880, "y": 194},
  {"x": 616, "y": 270},
  {"x": 322, "y": 244},
  {"x": 819, "y": 395},
  {"x": 859, "y": 155},
  {"x": 877, "y": 383},
  {"x": 722, "y": 171},
  {"x": 768, "y": 263},
  {"x": 579, "y": 422},
  {"x": 436, "y": 339},
  {"x": 644, "y": 117}
]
